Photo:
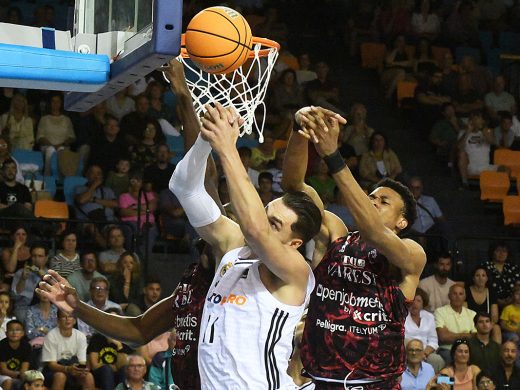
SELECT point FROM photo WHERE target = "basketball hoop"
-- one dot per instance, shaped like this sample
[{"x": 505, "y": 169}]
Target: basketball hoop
[{"x": 244, "y": 88}]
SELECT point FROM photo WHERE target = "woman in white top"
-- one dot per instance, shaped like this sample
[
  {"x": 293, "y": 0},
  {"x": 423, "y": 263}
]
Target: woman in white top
[
  {"x": 17, "y": 125},
  {"x": 55, "y": 131},
  {"x": 425, "y": 23},
  {"x": 420, "y": 324}
]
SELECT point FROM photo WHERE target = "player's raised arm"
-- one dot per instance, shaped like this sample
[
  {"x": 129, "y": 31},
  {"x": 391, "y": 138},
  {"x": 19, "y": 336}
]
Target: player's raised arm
[
  {"x": 372, "y": 214},
  {"x": 261, "y": 230}
]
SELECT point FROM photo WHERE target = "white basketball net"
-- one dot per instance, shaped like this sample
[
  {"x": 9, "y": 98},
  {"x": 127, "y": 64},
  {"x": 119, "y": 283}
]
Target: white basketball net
[{"x": 243, "y": 89}]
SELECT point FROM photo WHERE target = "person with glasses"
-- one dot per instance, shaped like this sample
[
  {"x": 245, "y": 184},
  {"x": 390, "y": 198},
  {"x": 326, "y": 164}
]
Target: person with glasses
[
  {"x": 508, "y": 375},
  {"x": 418, "y": 373},
  {"x": 15, "y": 354},
  {"x": 485, "y": 381},
  {"x": 135, "y": 373},
  {"x": 65, "y": 356},
  {"x": 99, "y": 290},
  {"x": 464, "y": 374}
]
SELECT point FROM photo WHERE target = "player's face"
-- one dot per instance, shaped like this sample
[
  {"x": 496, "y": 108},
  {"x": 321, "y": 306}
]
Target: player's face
[
  {"x": 280, "y": 219},
  {"x": 390, "y": 207}
]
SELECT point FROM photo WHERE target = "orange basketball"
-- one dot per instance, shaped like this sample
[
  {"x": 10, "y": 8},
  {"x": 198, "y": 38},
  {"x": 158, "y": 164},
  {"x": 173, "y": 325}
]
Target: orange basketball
[{"x": 218, "y": 40}]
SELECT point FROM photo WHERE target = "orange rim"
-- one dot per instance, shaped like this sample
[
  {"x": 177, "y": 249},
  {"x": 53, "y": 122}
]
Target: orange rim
[{"x": 268, "y": 43}]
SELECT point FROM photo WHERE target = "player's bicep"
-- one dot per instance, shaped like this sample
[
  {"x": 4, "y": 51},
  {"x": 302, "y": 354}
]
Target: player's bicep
[
  {"x": 223, "y": 234},
  {"x": 335, "y": 226}
]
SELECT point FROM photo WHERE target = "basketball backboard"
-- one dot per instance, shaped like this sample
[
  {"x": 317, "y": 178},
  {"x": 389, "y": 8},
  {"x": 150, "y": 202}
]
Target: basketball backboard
[{"x": 113, "y": 44}]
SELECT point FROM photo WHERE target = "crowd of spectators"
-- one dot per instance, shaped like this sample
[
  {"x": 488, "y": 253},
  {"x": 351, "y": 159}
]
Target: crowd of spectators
[{"x": 466, "y": 329}]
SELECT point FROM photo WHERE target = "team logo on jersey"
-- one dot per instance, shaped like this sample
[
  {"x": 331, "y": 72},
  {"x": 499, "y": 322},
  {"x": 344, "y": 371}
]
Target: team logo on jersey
[
  {"x": 225, "y": 268},
  {"x": 238, "y": 300},
  {"x": 354, "y": 261}
]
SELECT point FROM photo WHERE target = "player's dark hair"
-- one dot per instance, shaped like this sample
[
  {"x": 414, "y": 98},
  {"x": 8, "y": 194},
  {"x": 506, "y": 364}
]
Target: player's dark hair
[
  {"x": 409, "y": 209},
  {"x": 309, "y": 216}
]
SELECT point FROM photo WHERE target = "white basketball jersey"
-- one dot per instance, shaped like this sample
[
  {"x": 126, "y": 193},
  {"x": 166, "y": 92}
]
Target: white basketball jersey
[{"x": 246, "y": 334}]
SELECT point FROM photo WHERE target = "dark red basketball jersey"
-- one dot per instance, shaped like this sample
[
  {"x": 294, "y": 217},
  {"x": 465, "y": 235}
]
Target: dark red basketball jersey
[
  {"x": 189, "y": 299},
  {"x": 355, "y": 321}
]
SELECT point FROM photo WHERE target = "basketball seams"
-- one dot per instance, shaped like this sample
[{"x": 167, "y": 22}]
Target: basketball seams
[{"x": 218, "y": 36}]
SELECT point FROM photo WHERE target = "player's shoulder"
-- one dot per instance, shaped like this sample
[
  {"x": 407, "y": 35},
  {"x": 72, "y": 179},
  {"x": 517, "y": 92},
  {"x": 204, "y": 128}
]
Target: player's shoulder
[{"x": 335, "y": 226}]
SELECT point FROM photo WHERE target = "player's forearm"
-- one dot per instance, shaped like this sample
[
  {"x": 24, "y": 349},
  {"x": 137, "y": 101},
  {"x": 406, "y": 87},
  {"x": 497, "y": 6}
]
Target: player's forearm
[
  {"x": 295, "y": 163},
  {"x": 190, "y": 122},
  {"x": 246, "y": 202}
]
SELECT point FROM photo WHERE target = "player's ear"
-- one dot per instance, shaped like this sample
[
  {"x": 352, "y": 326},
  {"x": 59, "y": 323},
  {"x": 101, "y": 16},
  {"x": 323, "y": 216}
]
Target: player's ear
[
  {"x": 402, "y": 223},
  {"x": 296, "y": 243}
]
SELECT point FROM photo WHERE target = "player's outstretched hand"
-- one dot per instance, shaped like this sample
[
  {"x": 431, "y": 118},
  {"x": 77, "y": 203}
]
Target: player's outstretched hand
[
  {"x": 326, "y": 142},
  {"x": 59, "y": 292},
  {"x": 312, "y": 119},
  {"x": 220, "y": 127},
  {"x": 174, "y": 74}
]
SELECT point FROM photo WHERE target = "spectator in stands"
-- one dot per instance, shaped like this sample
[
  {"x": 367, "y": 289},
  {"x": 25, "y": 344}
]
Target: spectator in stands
[
  {"x": 503, "y": 133},
  {"x": 398, "y": 67},
  {"x": 116, "y": 247},
  {"x": 503, "y": 273},
  {"x": 135, "y": 373},
  {"x": 5, "y": 155},
  {"x": 430, "y": 99},
  {"x": 118, "y": 180},
  {"x": 508, "y": 374},
  {"x": 453, "y": 321},
  {"x": 120, "y": 104},
  {"x": 157, "y": 175},
  {"x": 437, "y": 286},
  {"x": 425, "y": 23},
  {"x": 99, "y": 288},
  {"x": 107, "y": 357},
  {"x": 492, "y": 14},
  {"x": 66, "y": 261},
  {"x": 424, "y": 62},
  {"x": 379, "y": 162},
  {"x": 465, "y": 374},
  {"x": 499, "y": 100},
  {"x": 484, "y": 352},
  {"x": 420, "y": 325},
  {"x": 461, "y": 27},
  {"x": 108, "y": 149},
  {"x": 321, "y": 181},
  {"x": 480, "y": 76},
  {"x": 6, "y": 312},
  {"x": 137, "y": 207},
  {"x": 485, "y": 381},
  {"x": 65, "y": 355},
  {"x": 286, "y": 96},
  {"x": 482, "y": 299},
  {"x": 510, "y": 318},
  {"x": 25, "y": 280},
  {"x": 417, "y": 373},
  {"x": 172, "y": 216},
  {"x": 94, "y": 201},
  {"x": 358, "y": 133},
  {"x": 6, "y": 95},
  {"x": 144, "y": 152},
  {"x": 15, "y": 353},
  {"x": 449, "y": 75},
  {"x": 323, "y": 91},
  {"x": 89, "y": 129},
  {"x": 15, "y": 258},
  {"x": 125, "y": 284},
  {"x": 466, "y": 99},
  {"x": 444, "y": 134},
  {"x": 265, "y": 188},
  {"x": 304, "y": 73},
  {"x": 33, "y": 380},
  {"x": 158, "y": 344},
  {"x": 245, "y": 156},
  {"x": 158, "y": 109},
  {"x": 15, "y": 199},
  {"x": 160, "y": 373},
  {"x": 42, "y": 316},
  {"x": 263, "y": 154},
  {"x": 276, "y": 171},
  {"x": 55, "y": 131},
  {"x": 394, "y": 19},
  {"x": 81, "y": 279},
  {"x": 474, "y": 147},
  {"x": 17, "y": 125},
  {"x": 132, "y": 124},
  {"x": 151, "y": 293}
]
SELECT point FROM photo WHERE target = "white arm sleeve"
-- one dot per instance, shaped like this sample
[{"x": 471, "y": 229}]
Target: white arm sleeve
[{"x": 187, "y": 183}]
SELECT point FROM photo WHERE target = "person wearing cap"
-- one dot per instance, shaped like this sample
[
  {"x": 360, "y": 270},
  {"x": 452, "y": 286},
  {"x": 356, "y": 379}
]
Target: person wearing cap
[{"x": 33, "y": 380}]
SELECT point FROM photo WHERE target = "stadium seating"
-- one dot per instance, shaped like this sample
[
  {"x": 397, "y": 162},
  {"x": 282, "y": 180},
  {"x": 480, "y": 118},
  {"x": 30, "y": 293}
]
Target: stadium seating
[
  {"x": 511, "y": 210},
  {"x": 69, "y": 184},
  {"x": 372, "y": 55},
  {"x": 494, "y": 186}
]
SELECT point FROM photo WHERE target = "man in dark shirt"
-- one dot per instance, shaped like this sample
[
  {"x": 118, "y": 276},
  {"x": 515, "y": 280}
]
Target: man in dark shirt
[
  {"x": 133, "y": 124},
  {"x": 15, "y": 199},
  {"x": 151, "y": 293},
  {"x": 508, "y": 375},
  {"x": 158, "y": 175},
  {"x": 484, "y": 352},
  {"x": 15, "y": 353},
  {"x": 108, "y": 149}
]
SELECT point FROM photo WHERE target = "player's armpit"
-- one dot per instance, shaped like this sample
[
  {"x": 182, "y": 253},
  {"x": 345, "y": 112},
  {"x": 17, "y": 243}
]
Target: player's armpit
[{"x": 223, "y": 235}]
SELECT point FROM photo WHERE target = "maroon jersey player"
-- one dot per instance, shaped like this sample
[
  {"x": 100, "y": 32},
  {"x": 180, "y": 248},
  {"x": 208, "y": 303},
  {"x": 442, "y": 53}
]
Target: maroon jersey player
[{"x": 354, "y": 331}]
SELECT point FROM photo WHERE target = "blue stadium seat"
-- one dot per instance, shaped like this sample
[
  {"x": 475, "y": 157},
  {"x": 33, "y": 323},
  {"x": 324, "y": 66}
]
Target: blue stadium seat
[
  {"x": 509, "y": 42},
  {"x": 176, "y": 144},
  {"x": 69, "y": 184},
  {"x": 463, "y": 51},
  {"x": 178, "y": 157},
  {"x": 49, "y": 184},
  {"x": 246, "y": 141},
  {"x": 29, "y": 157},
  {"x": 54, "y": 165}
]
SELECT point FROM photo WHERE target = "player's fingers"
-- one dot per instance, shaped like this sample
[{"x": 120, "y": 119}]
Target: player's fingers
[
  {"x": 57, "y": 276},
  {"x": 222, "y": 112},
  {"x": 44, "y": 286},
  {"x": 304, "y": 134}
]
